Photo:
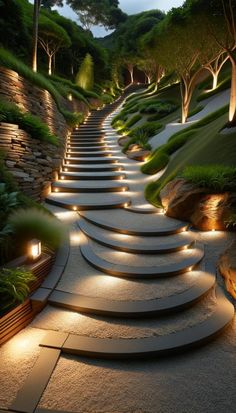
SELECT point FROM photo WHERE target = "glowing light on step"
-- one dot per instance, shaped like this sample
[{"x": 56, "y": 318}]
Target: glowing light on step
[
  {"x": 75, "y": 238},
  {"x": 75, "y": 208},
  {"x": 126, "y": 205},
  {"x": 56, "y": 190},
  {"x": 213, "y": 230},
  {"x": 66, "y": 170},
  {"x": 62, "y": 177}
]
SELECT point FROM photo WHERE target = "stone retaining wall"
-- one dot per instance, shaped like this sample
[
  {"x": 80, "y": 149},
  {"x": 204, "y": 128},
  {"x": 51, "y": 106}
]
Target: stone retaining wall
[{"x": 32, "y": 162}]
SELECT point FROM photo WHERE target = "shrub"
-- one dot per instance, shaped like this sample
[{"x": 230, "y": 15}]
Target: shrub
[
  {"x": 150, "y": 128},
  {"x": 106, "y": 98},
  {"x": 121, "y": 116},
  {"x": 160, "y": 157},
  {"x": 216, "y": 177},
  {"x": 195, "y": 111},
  {"x": 8, "y": 201},
  {"x": 157, "y": 107},
  {"x": 11, "y": 113},
  {"x": 119, "y": 124},
  {"x": 34, "y": 223},
  {"x": 156, "y": 163},
  {"x": 140, "y": 139},
  {"x": 74, "y": 87},
  {"x": 85, "y": 75},
  {"x": 133, "y": 120},
  {"x": 14, "y": 286}
]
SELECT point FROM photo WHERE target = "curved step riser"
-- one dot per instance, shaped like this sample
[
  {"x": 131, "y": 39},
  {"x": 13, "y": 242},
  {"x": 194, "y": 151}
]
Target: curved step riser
[
  {"x": 88, "y": 190},
  {"x": 132, "y": 250},
  {"x": 92, "y": 178},
  {"x": 86, "y": 207},
  {"x": 140, "y": 276},
  {"x": 136, "y": 309},
  {"x": 86, "y": 145},
  {"x": 176, "y": 228},
  {"x": 154, "y": 346},
  {"x": 89, "y": 161},
  {"x": 98, "y": 134},
  {"x": 108, "y": 168},
  {"x": 84, "y": 139},
  {"x": 86, "y": 154},
  {"x": 83, "y": 149}
]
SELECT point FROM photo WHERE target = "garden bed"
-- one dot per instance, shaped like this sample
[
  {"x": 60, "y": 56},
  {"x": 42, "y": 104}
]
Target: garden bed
[{"x": 20, "y": 316}]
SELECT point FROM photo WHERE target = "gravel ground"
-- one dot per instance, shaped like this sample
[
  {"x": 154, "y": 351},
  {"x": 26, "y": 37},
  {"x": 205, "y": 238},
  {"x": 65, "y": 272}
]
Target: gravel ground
[{"x": 199, "y": 381}]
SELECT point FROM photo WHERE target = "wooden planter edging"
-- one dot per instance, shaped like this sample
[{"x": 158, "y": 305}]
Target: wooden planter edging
[
  {"x": 20, "y": 316},
  {"x": 48, "y": 272},
  {"x": 15, "y": 320}
]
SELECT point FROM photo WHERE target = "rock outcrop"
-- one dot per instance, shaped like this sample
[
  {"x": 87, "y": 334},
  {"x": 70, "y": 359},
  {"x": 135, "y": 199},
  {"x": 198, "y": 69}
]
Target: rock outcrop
[
  {"x": 200, "y": 206},
  {"x": 227, "y": 267}
]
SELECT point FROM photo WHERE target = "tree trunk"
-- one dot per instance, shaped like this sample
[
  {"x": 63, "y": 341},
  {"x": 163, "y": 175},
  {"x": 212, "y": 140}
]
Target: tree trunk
[
  {"x": 35, "y": 34},
  {"x": 131, "y": 72},
  {"x": 215, "y": 80},
  {"x": 186, "y": 93},
  {"x": 50, "y": 65},
  {"x": 232, "y": 105}
]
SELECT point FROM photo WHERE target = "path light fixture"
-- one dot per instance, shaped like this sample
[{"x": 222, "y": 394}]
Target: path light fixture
[
  {"x": 70, "y": 97},
  {"x": 34, "y": 250}
]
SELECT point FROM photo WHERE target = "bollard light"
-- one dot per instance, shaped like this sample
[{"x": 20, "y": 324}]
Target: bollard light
[{"x": 34, "y": 250}]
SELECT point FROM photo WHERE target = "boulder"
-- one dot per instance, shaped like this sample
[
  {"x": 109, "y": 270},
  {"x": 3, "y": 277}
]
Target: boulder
[
  {"x": 134, "y": 147},
  {"x": 139, "y": 155},
  {"x": 123, "y": 141},
  {"x": 227, "y": 268},
  {"x": 204, "y": 209}
]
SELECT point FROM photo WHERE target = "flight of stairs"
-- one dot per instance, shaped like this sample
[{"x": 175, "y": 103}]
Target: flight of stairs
[{"x": 138, "y": 246}]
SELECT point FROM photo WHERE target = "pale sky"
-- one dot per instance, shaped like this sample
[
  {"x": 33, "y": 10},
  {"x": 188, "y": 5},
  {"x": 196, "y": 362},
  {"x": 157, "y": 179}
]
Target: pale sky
[{"x": 128, "y": 6}]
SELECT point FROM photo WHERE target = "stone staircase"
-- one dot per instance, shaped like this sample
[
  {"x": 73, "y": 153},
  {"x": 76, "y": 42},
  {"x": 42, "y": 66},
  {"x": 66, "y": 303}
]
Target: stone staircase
[{"x": 153, "y": 252}]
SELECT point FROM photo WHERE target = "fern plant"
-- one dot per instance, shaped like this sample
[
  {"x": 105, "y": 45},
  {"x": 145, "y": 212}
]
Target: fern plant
[{"x": 14, "y": 286}]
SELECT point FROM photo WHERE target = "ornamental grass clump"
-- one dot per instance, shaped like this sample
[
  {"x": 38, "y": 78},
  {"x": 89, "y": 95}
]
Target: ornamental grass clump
[
  {"x": 34, "y": 223},
  {"x": 218, "y": 178}
]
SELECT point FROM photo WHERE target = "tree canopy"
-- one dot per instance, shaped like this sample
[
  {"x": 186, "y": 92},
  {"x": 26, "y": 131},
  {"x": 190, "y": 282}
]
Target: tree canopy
[{"x": 107, "y": 13}]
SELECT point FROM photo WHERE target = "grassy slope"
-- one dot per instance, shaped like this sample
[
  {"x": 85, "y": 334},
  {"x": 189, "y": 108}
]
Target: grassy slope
[{"x": 208, "y": 147}]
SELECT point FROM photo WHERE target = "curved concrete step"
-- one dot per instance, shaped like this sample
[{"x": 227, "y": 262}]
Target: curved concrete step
[
  {"x": 87, "y": 186},
  {"x": 113, "y": 263},
  {"x": 74, "y": 154},
  {"x": 90, "y": 159},
  {"x": 75, "y": 149},
  {"x": 86, "y": 134},
  {"x": 205, "y": 281},
  {"x": 88, "y": 139},
  {"x": 76, "y": 202},
  {"x": 152, "y": 346},
  {"x": 136, "y": 244},
  {"x": 92, "y": 168},
  {"x": 126, "y": 222},
  {"x": 84, "y": 145},
  {"x": 91, "y": 176}
]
